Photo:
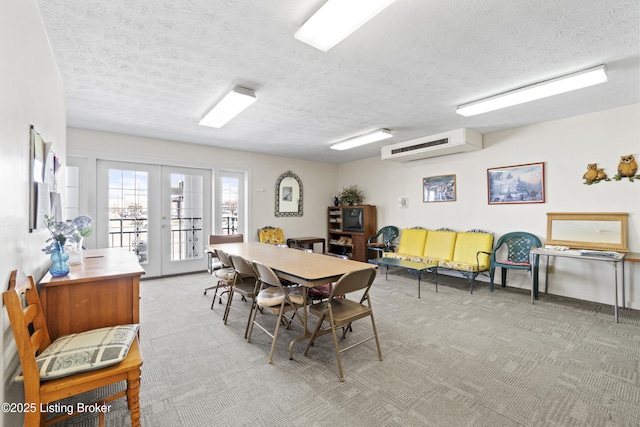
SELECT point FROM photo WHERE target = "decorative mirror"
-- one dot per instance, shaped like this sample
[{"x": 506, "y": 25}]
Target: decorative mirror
[
  {"x": 288, "y": 195},
  {"x": 597, "y": 231}
]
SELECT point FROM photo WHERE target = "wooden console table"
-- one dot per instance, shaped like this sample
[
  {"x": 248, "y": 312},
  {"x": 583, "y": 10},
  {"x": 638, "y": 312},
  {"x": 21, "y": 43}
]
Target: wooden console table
[{"x": 102, "y": 291}]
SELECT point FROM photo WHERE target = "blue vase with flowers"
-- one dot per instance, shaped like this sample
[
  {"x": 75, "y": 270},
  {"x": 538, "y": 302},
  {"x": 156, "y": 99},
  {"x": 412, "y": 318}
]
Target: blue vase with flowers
[{"x": 72, "y": 231}]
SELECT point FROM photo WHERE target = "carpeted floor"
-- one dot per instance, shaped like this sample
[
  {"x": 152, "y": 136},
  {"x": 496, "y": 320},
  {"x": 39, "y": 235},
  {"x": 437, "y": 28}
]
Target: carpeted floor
[{"x": 450, "y": 359}]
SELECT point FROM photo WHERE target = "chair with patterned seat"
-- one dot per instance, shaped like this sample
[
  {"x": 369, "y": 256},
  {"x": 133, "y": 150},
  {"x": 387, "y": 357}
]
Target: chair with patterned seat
[
  {"x": 276, "y": 299},
  {"x": 213, "y": 263},
  {"x": 518, "y": 245},
  {"x": 388, "y": 233},
  {"x": 272, "y": 236},
  {"x": 225, "y": 276},
  {"x": 72, "y": 364}
]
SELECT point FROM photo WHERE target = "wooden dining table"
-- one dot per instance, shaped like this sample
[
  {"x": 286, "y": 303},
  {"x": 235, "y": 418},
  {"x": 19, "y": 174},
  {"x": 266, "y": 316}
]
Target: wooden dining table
[{"x": 305, "y": 268}]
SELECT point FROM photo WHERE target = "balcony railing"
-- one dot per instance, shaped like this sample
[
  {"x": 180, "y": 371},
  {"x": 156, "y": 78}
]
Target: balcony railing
[{"x": 186, "y": 237}]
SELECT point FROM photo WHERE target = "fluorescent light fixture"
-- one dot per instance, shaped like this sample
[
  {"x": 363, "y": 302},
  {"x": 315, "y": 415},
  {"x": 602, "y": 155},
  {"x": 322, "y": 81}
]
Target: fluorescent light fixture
[
  {"x": 229, "y": 107},
  {"x": 579, "y": 80},
  {"x": 336, "y": 19},
  {"x": 367, "y": 138}
]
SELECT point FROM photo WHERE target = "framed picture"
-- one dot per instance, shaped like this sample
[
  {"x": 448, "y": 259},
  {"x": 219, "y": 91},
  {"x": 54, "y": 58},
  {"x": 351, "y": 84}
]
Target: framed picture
[
  {"x": 440, "y": 188},
  {"x": 516, "y": 184}
]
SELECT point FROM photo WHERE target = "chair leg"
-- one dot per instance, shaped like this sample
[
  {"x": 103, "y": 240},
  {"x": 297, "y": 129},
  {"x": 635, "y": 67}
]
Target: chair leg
[
  {"x": 504, "y": 277},
  {"x": 227, "y": 307},
  {"x": 215, "y": 294},
  {"x": 375, "y": 334},
  {"x": 133, "y": 397},
  {"x": 335, "y": 343},
  {"x": 275, "y": 335},
  {"x": 314, "y": 334},
  {"x": 251, "y": 310},
  {"x": 251, "y": 323},
  {"x": 492, "y": 272}
]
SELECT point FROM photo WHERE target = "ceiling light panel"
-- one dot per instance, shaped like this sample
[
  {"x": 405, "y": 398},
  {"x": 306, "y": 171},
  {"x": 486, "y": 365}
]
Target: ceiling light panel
[
  {"x": 230, "y": 106},
  {"x": 336, "y": 19},
  {"x": 579, "y": 80},
  {"x": 368, "y": 138}
]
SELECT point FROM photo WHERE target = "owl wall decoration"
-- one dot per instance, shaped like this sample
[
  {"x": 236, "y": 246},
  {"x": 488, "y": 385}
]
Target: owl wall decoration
[
  {"x": 627, "y": 167},
  {"x": 594, "y": 174}
]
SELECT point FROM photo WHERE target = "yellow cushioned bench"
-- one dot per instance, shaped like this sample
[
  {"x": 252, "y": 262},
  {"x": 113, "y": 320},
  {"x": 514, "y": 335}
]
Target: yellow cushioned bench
[{"x": 466, "y": 252}]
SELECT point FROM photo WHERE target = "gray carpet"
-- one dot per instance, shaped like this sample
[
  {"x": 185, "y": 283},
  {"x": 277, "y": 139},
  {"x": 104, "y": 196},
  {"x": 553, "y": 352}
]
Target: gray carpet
[{"x": 450, "y": 359}]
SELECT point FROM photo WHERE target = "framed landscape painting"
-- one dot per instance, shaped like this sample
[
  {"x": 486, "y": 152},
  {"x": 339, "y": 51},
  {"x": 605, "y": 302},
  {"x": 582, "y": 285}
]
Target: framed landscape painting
[
  {"x": 440, "y": 188},
  {"x": 516, "y": 184}
]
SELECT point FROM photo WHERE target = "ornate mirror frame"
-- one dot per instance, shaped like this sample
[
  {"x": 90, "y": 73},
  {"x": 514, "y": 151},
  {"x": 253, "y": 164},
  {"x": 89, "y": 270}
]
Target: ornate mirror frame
[
  {"x": 289, "y": 195},
  {"x": 588, "y": 230}
]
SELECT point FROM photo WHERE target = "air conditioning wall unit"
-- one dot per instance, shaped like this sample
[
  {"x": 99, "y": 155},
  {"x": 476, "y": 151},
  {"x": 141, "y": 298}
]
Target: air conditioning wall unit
[{"x": 452, "y": 142}]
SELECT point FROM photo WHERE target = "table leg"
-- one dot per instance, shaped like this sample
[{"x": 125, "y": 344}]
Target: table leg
[
  {"x": 419, "y": 274},
  {"x": 615, "y": 307},
  {"x": 306, "y": 334},
  {"x": 623, "y": 281},
  {"x": 532, "y": 258}
]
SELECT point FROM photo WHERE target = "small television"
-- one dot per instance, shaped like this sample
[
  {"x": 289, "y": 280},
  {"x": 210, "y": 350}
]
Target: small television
[{"x": 353, "y": 220}]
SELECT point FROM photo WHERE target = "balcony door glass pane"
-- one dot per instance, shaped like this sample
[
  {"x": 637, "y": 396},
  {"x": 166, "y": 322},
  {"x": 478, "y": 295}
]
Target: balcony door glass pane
[
  {"x": 128, "y": 207},
  {"x": 186, "y": 198}
]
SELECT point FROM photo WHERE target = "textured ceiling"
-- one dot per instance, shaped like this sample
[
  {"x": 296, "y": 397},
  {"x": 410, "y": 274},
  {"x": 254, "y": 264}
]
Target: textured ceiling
[{"x": 155, "y": 67}]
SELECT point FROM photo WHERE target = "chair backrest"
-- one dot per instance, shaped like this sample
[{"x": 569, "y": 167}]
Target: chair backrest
[
  {"x": 469, "y": 243},
  {"x": 389, "y": 234},
  {"x": 225, "y": 238},
  {"x": 224, "y": 258},
  {"x": 519, "y": 244},
  {"x": 271, "y": 235},
  {"x": 354, "y": 281},
  {"x": 242, "y": 266},
  {"x": 266, "y": 275},
  {"x": 440, "y": 244},
  {"x": 412, "y": 241},
  {"x": 28, "y": 326}
]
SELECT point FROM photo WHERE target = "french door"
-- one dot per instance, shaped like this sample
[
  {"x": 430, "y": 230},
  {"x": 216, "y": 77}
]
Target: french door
[{"x": 161, "y": 213}]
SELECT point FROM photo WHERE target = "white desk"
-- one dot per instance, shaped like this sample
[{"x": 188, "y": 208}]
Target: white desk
[{"x": 614, "y": 261}]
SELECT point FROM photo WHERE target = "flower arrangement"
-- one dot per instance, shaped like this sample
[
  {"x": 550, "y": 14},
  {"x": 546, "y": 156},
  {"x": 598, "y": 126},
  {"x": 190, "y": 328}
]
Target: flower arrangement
[
  {"x": 71, "y": 230},
  {"x": 351, "y": 195}
]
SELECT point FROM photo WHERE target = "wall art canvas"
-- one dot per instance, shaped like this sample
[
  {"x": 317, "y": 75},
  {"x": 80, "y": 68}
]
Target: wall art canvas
[
  {"x": 440, "y": 188},
  {"x": 516, "y": 184}
]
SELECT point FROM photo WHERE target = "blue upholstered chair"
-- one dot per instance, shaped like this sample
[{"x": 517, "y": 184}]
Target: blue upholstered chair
[{"x": 518, "y": 245}]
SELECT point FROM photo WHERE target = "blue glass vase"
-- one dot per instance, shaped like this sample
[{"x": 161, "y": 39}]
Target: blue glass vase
[{"x": 59, "y": 258}]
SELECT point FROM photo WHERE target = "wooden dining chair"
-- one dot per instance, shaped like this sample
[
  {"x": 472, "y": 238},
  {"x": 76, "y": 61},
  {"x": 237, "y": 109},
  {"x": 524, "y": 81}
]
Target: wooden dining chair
[
  {"x": 72, "y": 364},
  {"x": 340, "y": 312}
]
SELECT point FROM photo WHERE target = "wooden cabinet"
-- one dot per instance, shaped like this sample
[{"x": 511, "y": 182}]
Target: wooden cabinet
[
  {"x": 349, "y": 228},
  {"x": 102, "y": 291}
]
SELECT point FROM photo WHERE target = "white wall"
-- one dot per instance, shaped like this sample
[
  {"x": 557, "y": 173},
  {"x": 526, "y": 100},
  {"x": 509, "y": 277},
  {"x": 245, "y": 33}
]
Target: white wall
[
  {"x": 566, "y": 147},
  {"x": 319, "y": 180},
  {"x": 32, "y": 93}
]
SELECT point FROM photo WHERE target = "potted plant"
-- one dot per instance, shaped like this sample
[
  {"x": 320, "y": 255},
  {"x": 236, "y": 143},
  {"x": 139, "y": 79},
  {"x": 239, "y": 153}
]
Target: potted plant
[{"x": 351, "y": 195}]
